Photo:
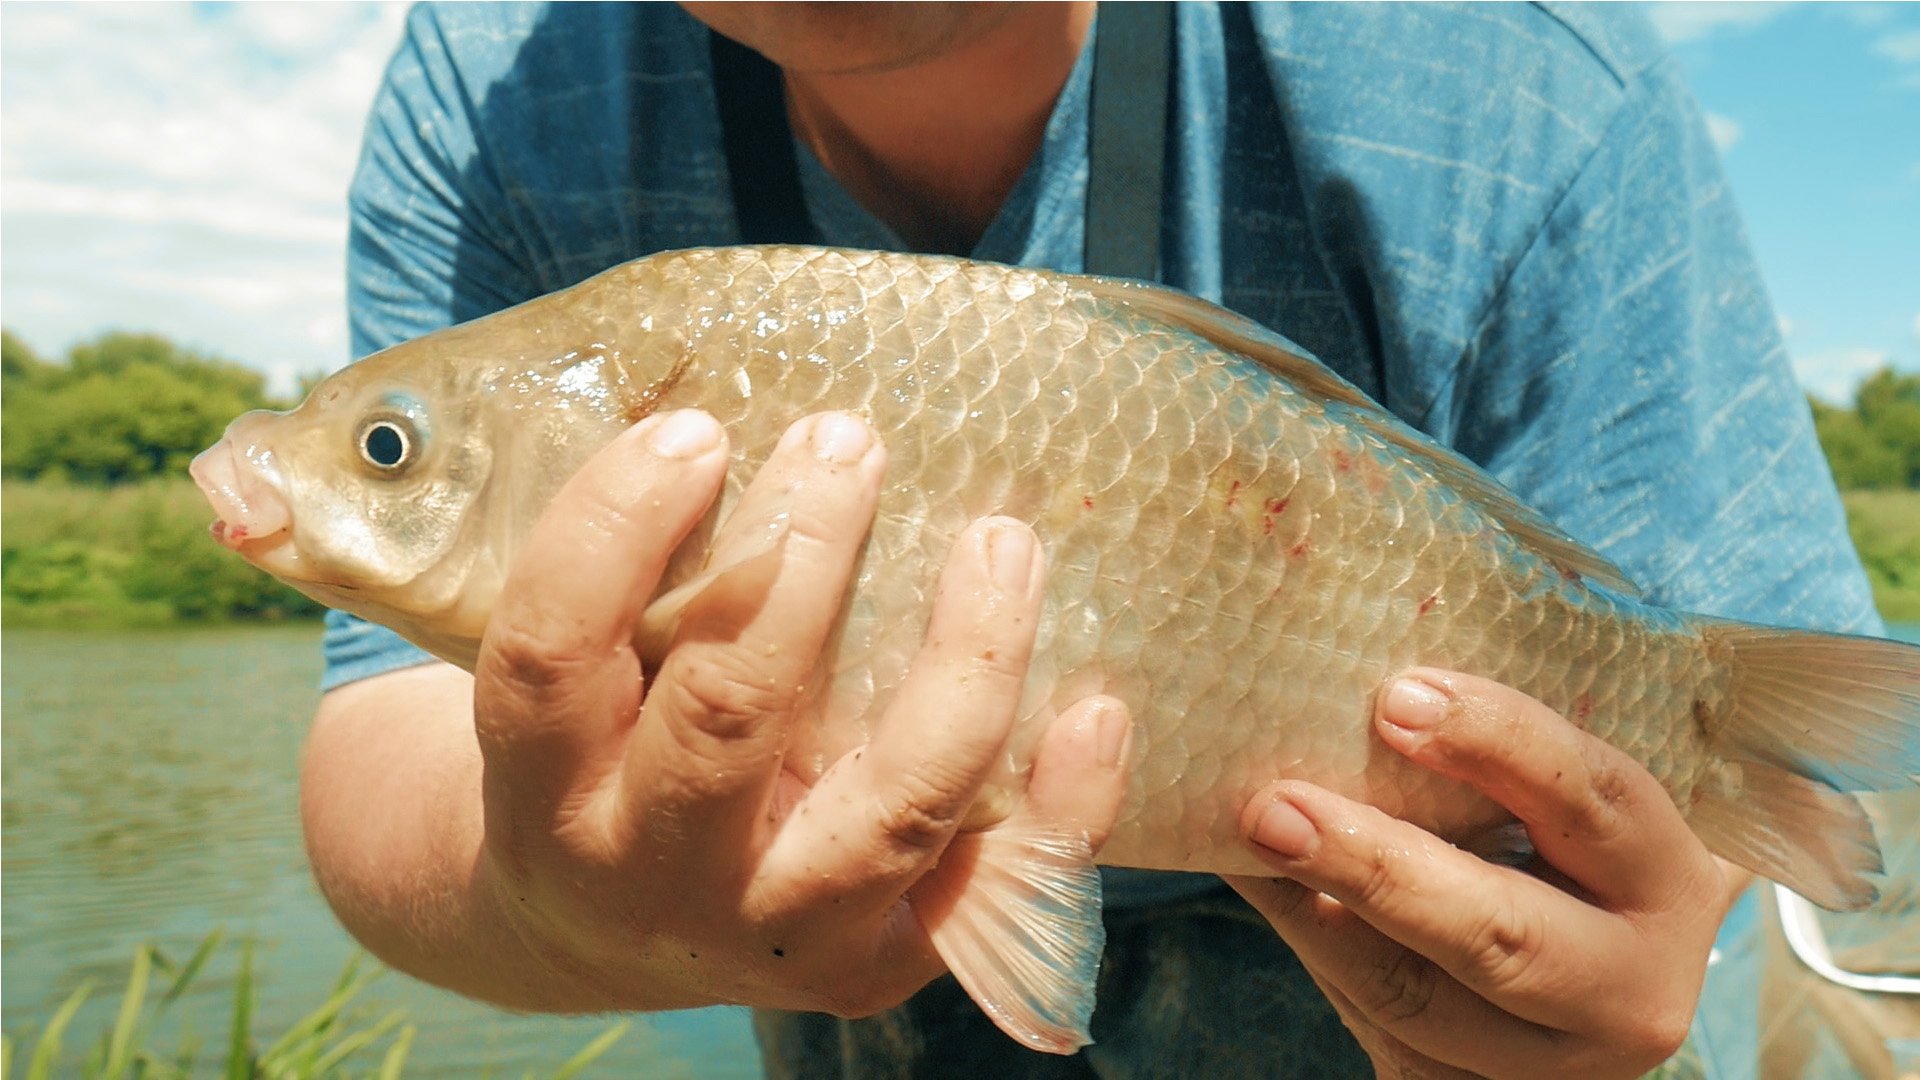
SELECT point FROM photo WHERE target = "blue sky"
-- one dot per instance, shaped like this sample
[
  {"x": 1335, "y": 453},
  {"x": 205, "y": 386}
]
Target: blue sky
[
  {"x": 181, "y": 168},
  {"x": 1817, "y": 111}
]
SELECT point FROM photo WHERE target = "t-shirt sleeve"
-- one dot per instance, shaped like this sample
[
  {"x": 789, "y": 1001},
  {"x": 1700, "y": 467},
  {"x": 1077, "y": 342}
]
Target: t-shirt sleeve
[
  {"x": 424, "y": 248},
  {"x": 1630, "y": 380}
]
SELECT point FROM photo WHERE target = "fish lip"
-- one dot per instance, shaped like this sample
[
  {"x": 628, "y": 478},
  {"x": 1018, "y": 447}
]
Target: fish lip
[{"x": 245, "y": 490}]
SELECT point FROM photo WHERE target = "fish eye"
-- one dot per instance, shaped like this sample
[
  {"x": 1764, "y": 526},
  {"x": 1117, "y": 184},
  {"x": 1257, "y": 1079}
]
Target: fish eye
[{"x": 387, "y": 443}]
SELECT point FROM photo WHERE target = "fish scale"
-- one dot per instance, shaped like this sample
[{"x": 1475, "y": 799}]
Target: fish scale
[
  {"x": 1151, "y": 464},
  {"x": 1239, "y": 544}
]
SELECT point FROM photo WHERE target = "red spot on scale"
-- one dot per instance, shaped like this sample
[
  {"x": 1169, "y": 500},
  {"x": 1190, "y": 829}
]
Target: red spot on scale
[
  {"x": 1276, "y": 507},
  {"x": 1583, "y": 708},
  {"x": 1086, "y": 501},
  {"x": 1427, "y": 604},
  {"x": 1568, "y": 573},
  {"x": 1342, "y": 461},
  {"x": 1266, "y": 525},
  {"x": 1233, "y": 494},
  {"x": 1300, "y": 549}
]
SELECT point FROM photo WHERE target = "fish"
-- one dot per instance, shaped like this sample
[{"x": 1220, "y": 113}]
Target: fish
[{"x": 1241, "y": 545}]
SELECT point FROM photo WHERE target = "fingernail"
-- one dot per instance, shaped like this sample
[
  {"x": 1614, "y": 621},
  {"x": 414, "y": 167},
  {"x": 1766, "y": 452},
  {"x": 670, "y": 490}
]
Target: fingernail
[
  {"x": 684, "y": 434},
  {"x": 1115, "y": 729},
  {"x": 839, "y": 439},
  {"x": 1414, "y": 704},
  {"x": 1284, "y": 830},
  {"x": 1010, "y": 552}
]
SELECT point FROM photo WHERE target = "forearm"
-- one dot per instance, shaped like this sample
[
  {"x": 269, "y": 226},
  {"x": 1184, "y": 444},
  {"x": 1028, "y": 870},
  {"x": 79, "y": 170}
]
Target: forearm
[{"x": 391, "y": 803}]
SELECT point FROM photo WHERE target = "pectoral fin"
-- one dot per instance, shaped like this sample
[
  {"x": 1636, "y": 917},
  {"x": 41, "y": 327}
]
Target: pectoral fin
[{"x": 662, "y": 618}]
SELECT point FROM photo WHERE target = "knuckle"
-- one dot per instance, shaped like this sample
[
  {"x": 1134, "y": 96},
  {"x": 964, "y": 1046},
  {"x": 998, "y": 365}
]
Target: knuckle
[
  {"x": 722, "y": 693},
  {"x": 1379, "y": 883},
  {"x": 600, "y": 517},
  {"x": 1669, "y": 1034},
  {"x": 998, "y": 660},
  {"x": 532, "y": 652},
  {"x": 1397, "y": 989},
  {"x": 1503, "y": 944},
  {"x": 922, "y": 807},
  {"x": 1660, "y": 1034},
  {"x": 1598, "y": 810}
]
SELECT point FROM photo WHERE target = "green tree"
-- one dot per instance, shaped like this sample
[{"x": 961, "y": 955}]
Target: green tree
[
  {"x": 1889, "y": 408},
  {"x": 19, "y": 364},
  {"x": 1875, "y": 444},
  {"x": 1859, "y": 459},
  {"x": 124, "y": 407}
]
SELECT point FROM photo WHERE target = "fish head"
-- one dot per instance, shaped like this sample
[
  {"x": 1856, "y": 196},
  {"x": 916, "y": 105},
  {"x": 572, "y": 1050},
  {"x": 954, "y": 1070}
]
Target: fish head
[{"x": 367, "y": 497}]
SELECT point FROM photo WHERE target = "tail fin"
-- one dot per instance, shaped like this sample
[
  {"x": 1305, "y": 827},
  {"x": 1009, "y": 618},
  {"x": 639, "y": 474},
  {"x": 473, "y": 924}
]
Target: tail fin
[{"x": 1813, "y": 716}]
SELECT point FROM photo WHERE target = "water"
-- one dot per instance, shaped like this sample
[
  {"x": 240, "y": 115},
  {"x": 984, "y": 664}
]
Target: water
[
  {"x": 148, "y": 793},
  {"x": 149, "y": 787}
]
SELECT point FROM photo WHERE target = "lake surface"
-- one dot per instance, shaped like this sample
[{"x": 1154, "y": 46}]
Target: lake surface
[{"x": 148, "y": 793}]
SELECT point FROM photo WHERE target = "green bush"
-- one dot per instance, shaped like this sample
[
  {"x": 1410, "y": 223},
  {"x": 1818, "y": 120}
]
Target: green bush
[
  {"x": 132, "y": 555},
  {"x": 1886, "y": 531}
]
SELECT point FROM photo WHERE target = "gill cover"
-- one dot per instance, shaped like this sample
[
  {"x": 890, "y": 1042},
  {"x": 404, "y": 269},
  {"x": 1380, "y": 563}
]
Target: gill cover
[{"x": 386, "y": 481}]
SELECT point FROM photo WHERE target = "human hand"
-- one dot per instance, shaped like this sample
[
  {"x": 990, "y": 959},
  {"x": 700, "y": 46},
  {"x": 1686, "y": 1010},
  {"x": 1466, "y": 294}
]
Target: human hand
[
  {"x": 1443, "y": 964},
  {"x": 644, "y": 840}
]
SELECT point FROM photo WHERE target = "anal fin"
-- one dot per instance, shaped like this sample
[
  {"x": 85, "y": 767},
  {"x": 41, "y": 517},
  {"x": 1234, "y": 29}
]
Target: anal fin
[{"x": 1015, "y": 913}]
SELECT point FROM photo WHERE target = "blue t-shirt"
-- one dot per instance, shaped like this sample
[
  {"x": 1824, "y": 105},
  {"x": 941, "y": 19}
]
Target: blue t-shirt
[{"x": 1506, "y": 223}]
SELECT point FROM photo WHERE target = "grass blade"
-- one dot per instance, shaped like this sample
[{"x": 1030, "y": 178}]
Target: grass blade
[
  {"x": 239, "y": 1063},
  {"x": 600, "y": 1045},
  {"x": 120, "y": 1043},
  {"x": 396, "y": 1058},
  {"x": 6, "y": 1056},
  {"x": 47, "y": 1051},
  {"x": 352, "y": 1044},
  {"x": 316, "y": 1022},
  {"x": 191, "y": 970}
]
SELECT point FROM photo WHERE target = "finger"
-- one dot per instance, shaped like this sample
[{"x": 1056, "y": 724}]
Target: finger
[
  {"x": 1391, "y": 1057},
  {"x": 556, "y": 682},
  {"x": 880, "y": 818},
  {"x": 1592, "y": 811},
  {"x": 1532, "y": 950},
  {"x": 1079, "y": 774},
  {"x": 703, "y": 761},
  {"x": 1388, "y": 993}
]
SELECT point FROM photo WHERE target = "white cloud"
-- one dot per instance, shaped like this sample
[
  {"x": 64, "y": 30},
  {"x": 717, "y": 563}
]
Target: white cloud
[
  {"x": 1834, "y": 374},
  {"x": 1785, "y": 324},
  {"x": 1682, "y": 22},
  {"x": 183, "y": 168},
  {"x": 1724, "y": 130},
  {"x": 1902, "y": 47}
]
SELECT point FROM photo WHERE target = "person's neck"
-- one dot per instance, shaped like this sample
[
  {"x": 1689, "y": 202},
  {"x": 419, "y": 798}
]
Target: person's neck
[{"x": 934, "y": 148}]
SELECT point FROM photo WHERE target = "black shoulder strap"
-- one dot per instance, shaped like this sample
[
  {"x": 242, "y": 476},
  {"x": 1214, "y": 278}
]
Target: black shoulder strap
[
  {"x": 1133, "y": 44},
  {"x": 761, "y": 168},
  {"x": 1126, "y": 151}
]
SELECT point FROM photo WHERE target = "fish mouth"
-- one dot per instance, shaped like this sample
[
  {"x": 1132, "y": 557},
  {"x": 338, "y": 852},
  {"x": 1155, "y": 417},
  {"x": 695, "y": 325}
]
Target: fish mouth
[{"x": 246, "y": 492}]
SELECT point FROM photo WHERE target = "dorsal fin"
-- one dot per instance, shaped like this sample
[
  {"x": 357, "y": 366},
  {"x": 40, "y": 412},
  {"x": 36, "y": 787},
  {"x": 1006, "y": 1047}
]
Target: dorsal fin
[{"x": 1255, "y": 342}]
